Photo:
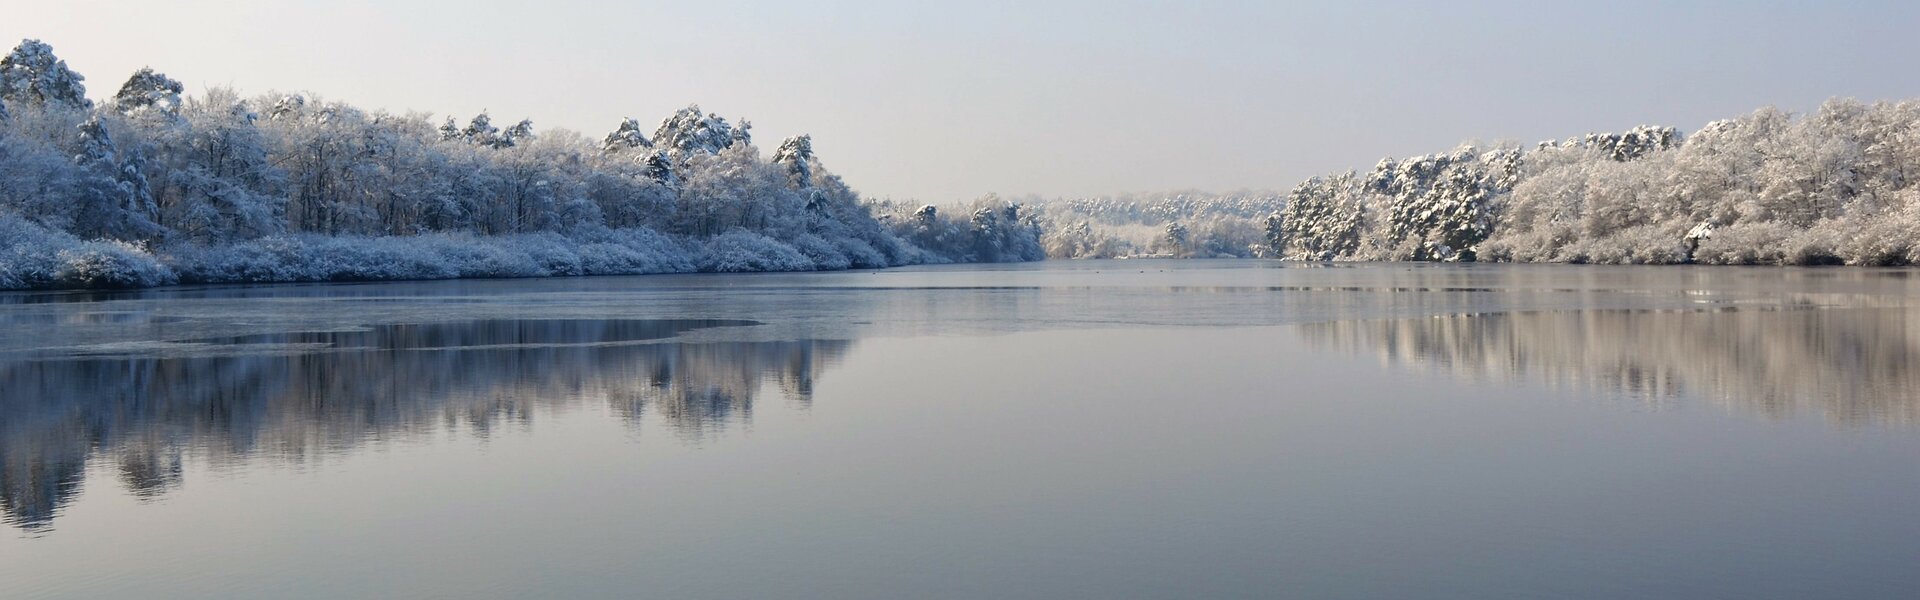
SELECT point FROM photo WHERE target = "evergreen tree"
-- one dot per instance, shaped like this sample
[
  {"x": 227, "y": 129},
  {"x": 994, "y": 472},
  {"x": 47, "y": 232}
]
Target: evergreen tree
[
  {"x": 148, "y": 91},
  {"x": 795, "y": 154},
  {"x": 480, "y": 131},
  {"x": 519, "y": 133},
  {"x": 627, "y": 136},
  {"x": 113, "y": 199},
  {"x": 32, "y": 75},
  {"x": 689, "y": 132}
]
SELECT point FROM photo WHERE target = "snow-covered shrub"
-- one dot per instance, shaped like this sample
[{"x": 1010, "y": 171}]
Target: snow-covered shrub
[
  {"x": 554, "y": 255},
  {"x": 354, "y": 258},
  {"x": 1642, "y": 245},
  {"x": 110, "y": 264},
  {"x": 860, "y": 254},
  {"x": 1545, "y": 244},
  {"x": 32, "y": 256},
  {"x": 636, "y": 251},
  {"x": 740, "y": 251},
  {"x": 1883, "y": 240},
  {"x": 825, "y": 255},
  {"x": 1745, "y": 244},
  {"x": 1819, "y": 245},
  {"x": 261, "y": 260},
  {"x": 479, "y": 257}
]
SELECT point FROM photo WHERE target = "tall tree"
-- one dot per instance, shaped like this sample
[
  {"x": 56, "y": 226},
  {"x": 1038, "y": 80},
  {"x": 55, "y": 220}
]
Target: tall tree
[
  {"x": 148, "y": 91},
  {"x": 627, "y": 136},
  {"x": 32, "y": 75},
  {"x": 795, "y": 155}
]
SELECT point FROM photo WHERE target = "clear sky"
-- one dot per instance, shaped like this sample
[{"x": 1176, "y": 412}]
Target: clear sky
[{"x": 940, "y": 101}]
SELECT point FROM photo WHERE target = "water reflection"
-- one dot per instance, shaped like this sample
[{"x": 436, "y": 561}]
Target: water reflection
[
  {"x": 291, "y": 397},
  {"x": 1852, "y": 366}
]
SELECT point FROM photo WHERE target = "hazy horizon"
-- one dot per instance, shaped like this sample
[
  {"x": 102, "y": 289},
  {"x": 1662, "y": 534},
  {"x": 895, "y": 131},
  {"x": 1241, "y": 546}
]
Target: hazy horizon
[{"x": 946, "y": 102}]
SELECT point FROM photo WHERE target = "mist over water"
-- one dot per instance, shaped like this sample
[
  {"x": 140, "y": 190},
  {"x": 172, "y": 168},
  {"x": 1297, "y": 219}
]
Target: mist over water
[{"x": 1114, "y": 428}]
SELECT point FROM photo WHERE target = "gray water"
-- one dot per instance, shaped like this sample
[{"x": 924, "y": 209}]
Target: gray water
[{"x": 1103, "y": 429}]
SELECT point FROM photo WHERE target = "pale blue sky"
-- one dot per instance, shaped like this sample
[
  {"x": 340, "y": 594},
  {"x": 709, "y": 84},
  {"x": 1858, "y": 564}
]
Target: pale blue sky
[{"x": 942, "y": 101}]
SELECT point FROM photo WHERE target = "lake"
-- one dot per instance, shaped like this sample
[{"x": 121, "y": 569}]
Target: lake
[{"x": 1097, "y": 429}]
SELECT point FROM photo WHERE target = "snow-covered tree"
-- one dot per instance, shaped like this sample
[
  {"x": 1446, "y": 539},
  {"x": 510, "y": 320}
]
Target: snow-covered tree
[
  {"x": 627, "y": 136},
  {"x": 1322, "y": 220},
  {"x": 795, "y": 154},
  {"x": 112, "y": 198},
  {"x": 32, "y": 75},
  {"x": 689, "y": 132},
  {"x": 218, "y": 180},
  {"x": 148, "y": 91},
  {"x": 519, "y": 133}
]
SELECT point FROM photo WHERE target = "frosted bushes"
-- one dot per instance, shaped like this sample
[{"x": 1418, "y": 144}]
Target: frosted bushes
[
  {"x": 1539, "y": 245},
  {"x": 35, "y": 257},
  {"x": 1889, "y": 241},
  {"x": 313, "y": 258},
  {"x": 355, "y": 258},
  {"x": 741, "y": 251},
  {"x": 862, "y": 254},
  {"x": 1886, "y": 241},
  {"x": 825, "y": 255},
  {"x": 1637, "y": 245},
  {"x": 477, "y": 257},
  {"x": 265, "y": 259},
  {"x": 633, "y": 252},
  {"x": 550, "y": 253},
  {"x": 1830, "y": 242},
  {"x": 110, "y": 264}
]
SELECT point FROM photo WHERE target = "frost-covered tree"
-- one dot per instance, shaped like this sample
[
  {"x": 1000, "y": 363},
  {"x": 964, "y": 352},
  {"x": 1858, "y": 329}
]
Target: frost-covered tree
[
  {"x": 1635, "y": 143},
  {"x": 689, "y": 132},
  {"x": 660, "y": 168},
  {"x": 628, "y": 136},
  {"x": 1322, "y": 219},
  {"x": 218, "y": 182},
  {"x": 480, "y": 131},
  {"x": 148, "y": 91},
  {"x": 32, "y": 75},
  {"x": 112, "y": 198},
  {"x": 1440, "y": 206},
  {"x": 519, "y": 133},
  {"x": 1175, "y": 240},
  {"x": 795, "y": 154},
  {"x": 1276, "y": 230}
]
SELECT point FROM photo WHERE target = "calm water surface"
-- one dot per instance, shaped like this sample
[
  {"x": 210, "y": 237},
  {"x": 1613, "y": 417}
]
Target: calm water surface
[{"x": 1124, "y": 429}]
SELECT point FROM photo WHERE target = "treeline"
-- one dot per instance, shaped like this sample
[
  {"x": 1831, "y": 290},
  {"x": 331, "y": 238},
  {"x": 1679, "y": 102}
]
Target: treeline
[
  {"x": 1180, "y": 224},
  {"x": 1768, "y": 188},
  {"x": 1832, "y": 187},
  {"x": 153, "y": 187}
]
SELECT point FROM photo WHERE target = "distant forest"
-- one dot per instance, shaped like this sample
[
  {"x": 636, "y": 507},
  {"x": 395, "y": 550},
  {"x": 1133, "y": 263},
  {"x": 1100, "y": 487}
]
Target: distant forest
[{"x": 153, "y": 187}]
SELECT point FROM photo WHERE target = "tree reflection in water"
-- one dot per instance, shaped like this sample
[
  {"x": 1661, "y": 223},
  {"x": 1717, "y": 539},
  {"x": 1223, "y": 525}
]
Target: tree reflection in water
[
  {"x": 289, "y": 397},
  {"x": 1853, "y": 366}
]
